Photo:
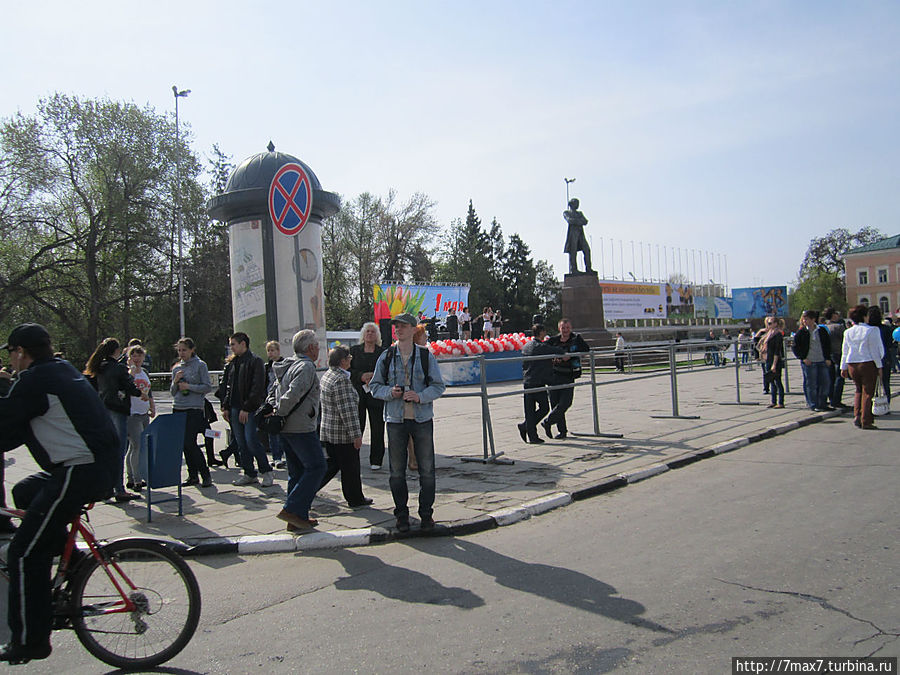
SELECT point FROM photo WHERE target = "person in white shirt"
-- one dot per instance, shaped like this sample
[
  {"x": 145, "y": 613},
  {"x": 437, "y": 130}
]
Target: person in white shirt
[
  {"x": 139, "y": 418},
  {"x": 620, "y": 353},
  {"x": 861, "y": 357}
]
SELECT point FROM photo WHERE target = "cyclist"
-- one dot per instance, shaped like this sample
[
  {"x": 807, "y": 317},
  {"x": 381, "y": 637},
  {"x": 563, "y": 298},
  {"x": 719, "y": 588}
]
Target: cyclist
[{"x": 57, "y": 414}]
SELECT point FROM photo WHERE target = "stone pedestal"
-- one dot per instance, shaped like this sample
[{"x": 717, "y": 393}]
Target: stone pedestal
[{"x": 582, "y": 304}]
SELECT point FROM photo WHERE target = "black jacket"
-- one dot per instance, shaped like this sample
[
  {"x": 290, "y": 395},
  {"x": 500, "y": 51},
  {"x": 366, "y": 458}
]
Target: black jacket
[
  {"x": 538, "y": 373},
  {"x": 572, "y": 367},
  {"x": 801, "y": 343},
  {"x": 116, "y": 386},
  {"x": 249, "y": 391},
  {"x": 53, "y": 410}
]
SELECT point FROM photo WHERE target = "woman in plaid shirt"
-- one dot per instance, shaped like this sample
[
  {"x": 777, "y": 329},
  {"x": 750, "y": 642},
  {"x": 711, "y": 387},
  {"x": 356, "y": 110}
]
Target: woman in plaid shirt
[{"x": 340, "y": 431}]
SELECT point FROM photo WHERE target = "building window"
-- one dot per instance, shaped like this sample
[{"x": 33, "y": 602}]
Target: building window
[
  {"x": 864, "y": 301},
  {"x": 882, "y": 275},
  {"x": 863, "y": 276},
  {"x": 885, "y": 304}
]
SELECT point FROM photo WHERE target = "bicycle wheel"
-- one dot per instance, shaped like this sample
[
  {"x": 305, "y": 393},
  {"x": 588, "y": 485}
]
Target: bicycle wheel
[{"x": 165, "y": 593}]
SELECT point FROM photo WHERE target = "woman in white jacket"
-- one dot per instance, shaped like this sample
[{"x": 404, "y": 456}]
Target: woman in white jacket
[{"x": 861, "y": 357}]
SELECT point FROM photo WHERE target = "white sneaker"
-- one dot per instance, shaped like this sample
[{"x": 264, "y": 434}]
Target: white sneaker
[
  {"x": 375, "y": 467},
  {"x": 244, "y": 479},
  {"x": 266, "y": 479}
]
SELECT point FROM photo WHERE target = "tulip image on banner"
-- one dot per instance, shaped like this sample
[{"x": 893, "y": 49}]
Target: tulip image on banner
[{"x": 438, "y": 301}]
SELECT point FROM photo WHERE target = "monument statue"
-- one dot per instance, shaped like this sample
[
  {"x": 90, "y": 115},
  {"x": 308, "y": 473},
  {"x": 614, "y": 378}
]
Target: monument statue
[{"x": 575, "y": 239}]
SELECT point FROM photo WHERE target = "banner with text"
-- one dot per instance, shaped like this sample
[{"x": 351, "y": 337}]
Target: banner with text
[
  {"x": 713, "y": 307},
  {"x": 633, "y": 300},
  {"x": 431, "y": 300}
]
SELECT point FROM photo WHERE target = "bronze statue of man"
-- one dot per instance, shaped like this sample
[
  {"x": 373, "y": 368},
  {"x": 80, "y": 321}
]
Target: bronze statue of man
[{"x": 575, "y": 239}]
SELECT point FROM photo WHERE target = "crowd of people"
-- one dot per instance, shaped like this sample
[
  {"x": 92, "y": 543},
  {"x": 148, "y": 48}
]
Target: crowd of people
[{"x": 830, "y": 352}]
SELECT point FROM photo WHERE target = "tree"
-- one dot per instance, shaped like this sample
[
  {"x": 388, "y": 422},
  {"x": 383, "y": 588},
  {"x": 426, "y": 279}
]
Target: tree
[
  {"x": 85, "y": 195},
  {"x": 817, "y": 290},
  {"x": 547, "y": 289},
  {"x": 519, "y": 279},
  {"x": 826, "y": 254}
]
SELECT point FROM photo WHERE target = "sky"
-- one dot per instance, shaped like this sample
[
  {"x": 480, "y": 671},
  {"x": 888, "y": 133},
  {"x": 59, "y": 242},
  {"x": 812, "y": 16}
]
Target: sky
[{"x": 712, "y": 139}]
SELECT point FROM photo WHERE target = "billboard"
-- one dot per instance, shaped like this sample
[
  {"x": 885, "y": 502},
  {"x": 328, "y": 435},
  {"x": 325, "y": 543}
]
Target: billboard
[
  {"x": 633, "y": 300},
  {"x": 679, "y": 300},
  {"x": 433, "y": 300},
  {"x": 713, "y": 307},
  {"x": 758, "y": 302}
]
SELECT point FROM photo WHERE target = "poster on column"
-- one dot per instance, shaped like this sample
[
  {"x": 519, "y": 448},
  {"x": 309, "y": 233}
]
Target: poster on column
[
  {"x": 633, "y": 300},
  {"x": 298, "y": 286},
  {"x": 430, "y": 300},
  {"x": 248, "y": 295}
]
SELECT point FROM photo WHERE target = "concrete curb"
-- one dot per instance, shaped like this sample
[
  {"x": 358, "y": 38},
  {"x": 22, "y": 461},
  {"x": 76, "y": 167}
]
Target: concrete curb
[{"x": 289, "y": 543}]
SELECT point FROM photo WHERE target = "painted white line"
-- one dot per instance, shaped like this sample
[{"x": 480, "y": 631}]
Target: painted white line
[
  {"x": 547, "y": 503},
  {"x": 265, "y": 543},
  {"x": 340, "y": 539},
  {"x": 646, "y": 472},
  {"x": 509, "y": 516}
]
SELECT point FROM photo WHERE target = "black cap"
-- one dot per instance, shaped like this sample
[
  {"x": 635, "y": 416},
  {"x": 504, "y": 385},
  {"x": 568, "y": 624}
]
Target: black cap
[{"x": 28, "y": 335}]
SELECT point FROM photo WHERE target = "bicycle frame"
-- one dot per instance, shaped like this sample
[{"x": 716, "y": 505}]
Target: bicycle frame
[{"x": 63, "y": 572}]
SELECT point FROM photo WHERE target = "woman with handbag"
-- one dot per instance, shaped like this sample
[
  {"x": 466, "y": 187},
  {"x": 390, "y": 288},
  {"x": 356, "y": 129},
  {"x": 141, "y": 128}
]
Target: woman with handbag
[
  {"x": 340, "y": 430},
  {"x": 861, "y": 357},
  {"x": 771, "y": 350}
]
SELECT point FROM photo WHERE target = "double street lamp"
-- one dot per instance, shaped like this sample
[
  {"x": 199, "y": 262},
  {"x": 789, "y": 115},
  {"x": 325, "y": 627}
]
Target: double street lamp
[{"x": 179, "y": 94}]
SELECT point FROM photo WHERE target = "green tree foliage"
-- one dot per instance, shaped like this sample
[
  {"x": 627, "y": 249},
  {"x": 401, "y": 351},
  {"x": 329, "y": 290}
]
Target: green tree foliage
[
  {"x": 85, "y": 204},
  {"x": 817, "y": 290},
  {"x": 826, "y": 254},
  {"x": 373, "y": 239}
]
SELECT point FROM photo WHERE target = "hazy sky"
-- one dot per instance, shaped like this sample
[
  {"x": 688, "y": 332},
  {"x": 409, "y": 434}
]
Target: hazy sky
[{"x": 739, "y": 129}]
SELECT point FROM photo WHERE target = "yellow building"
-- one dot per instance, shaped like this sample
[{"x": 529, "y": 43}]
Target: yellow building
[{"x": 873, "y": 275}]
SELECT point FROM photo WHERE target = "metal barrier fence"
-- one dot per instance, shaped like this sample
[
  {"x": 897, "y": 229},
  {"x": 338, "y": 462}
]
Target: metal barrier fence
[
  {"x": 649, "y": 361},
  {"x": 645, "y": 362}
]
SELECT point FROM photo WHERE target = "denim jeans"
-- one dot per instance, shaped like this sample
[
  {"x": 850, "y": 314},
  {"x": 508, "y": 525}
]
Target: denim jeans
[
  {"x": 561, "y": 401},
  {"x": 306, "y": 466},
  {"x": 136, "y": 426},
  {"x": 817, "y": 384},
  {"x": 422, "y": 435},
  {"x": 837, "y": 387},
  {"x": 249, "y": 445},
  {"x": 536, "y": 407},
  {"x": 275, "y": 447},
  {"x": 120, "y": 422}
]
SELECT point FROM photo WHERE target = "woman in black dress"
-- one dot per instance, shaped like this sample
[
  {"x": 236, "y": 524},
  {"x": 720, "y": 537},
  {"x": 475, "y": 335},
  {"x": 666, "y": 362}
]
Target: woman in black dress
[{"x": 362, "y": 367}]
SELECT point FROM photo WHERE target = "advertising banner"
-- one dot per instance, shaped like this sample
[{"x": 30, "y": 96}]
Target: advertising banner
[
  {"x": 429, "y": 299},
  {"x": 679, "y": 301},
  {"x": 758, "y": 302},
  {"x": 713, "y": 307},
  {"x": 633, "y": 300},
  {"x": 248, "y": 293}
]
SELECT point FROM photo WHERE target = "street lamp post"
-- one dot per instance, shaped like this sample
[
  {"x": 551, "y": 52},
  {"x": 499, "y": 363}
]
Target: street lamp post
[
  {"x": 179, "y": 94},
  {"x": 568, "y": 180}
]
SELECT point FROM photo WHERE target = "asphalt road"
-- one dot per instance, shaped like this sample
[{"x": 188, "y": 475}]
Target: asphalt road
[{"x": 785, "y": 547}]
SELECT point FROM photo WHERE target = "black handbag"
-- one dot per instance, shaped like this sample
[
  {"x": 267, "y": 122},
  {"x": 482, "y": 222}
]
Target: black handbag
[{"x": 271, "y": 423}]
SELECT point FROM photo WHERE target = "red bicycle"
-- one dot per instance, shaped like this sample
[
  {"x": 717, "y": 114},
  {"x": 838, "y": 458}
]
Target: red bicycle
[{"x": 133, "y": 603}]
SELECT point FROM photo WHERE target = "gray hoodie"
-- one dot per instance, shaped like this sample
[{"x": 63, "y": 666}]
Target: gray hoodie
[
  {"x": 196, "y": 374},
  {"x": 295, "y": 376}
]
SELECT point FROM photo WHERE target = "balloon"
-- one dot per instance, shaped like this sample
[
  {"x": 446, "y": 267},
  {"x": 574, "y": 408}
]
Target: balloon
[{"x": 896, "y": 334}]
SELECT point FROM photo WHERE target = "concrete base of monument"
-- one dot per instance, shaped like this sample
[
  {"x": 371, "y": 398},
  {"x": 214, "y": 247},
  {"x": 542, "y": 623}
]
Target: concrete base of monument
[{"x": 582, "y": 304}]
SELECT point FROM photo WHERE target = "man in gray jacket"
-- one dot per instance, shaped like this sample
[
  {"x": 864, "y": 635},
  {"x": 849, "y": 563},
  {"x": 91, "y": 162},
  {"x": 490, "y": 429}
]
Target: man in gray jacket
[{"x": 296, "y": 398}]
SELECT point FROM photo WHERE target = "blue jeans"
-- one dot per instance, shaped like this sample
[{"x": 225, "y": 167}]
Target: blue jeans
[
  {"x": 422, "y": 435},
  {"x": 306, "y": 467},
  {"x": 837, "y": 386},
  {"x": 275, "y": 447},
  {"x": 817, "y": 384},
  {"x": 120, "y": 422},
  {"x": 249, "y": 445}
]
